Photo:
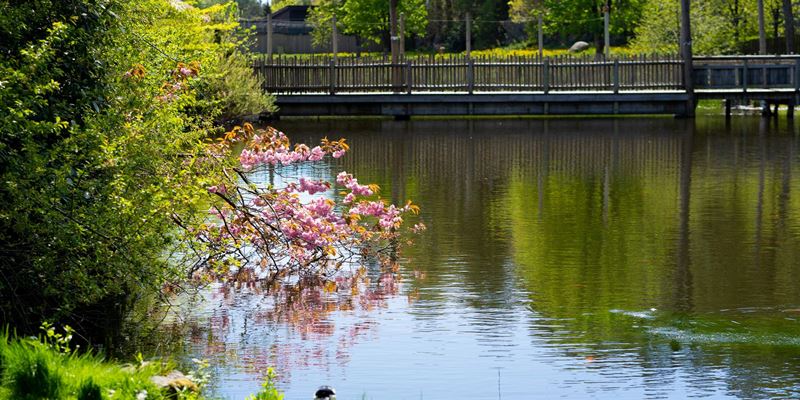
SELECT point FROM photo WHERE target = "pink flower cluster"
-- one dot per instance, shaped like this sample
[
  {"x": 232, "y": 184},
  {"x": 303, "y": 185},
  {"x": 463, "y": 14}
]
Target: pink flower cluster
[
  {"x": 309, "y": 186},
  {"x": 351, "y": 183},
  {"x": 274, "y": 148}
]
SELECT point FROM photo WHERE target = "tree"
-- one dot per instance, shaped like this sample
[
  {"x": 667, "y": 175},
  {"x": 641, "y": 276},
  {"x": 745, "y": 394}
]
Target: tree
[
  {"x": 584, "y": 18},
  {"x": 368, "y": 19},
  {"x": 105, "y": 106},
  {"x": 247, "y": 8},
  {"x": 718, "y": 26}
]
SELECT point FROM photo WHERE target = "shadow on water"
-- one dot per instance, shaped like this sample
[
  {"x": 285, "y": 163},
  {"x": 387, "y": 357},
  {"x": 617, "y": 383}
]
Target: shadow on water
[{"x": 567, "y": 257}]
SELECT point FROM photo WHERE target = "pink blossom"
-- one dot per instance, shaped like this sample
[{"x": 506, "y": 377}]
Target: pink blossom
[
  {"x": 313, "y": 187},
  {"x": 222, "y": 189},
  {"x": 316, "y": 154}
]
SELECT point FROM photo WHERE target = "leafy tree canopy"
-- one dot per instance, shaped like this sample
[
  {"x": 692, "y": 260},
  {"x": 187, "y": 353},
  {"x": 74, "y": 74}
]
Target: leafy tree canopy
[{"x": 368, "y": 19}]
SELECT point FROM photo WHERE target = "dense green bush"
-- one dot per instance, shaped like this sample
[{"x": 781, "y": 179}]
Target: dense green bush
[{"x": 105, "y": 104}]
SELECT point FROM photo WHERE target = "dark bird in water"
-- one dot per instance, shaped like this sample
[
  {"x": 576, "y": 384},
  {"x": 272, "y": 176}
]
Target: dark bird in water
[{"x": 324, "y": 392}]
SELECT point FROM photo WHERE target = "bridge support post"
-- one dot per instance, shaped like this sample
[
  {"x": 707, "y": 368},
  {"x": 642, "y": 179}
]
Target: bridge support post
[
  {"x": 790, "y": 110},
  {"x": 727, "y": 109}
]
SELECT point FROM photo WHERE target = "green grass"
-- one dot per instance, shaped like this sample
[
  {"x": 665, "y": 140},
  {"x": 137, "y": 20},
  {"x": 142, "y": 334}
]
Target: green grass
[{"x": 32, "y": 370}]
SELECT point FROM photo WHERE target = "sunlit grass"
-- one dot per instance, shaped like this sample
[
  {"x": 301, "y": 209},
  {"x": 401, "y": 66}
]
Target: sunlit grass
[{"x": 30, "y": 369}]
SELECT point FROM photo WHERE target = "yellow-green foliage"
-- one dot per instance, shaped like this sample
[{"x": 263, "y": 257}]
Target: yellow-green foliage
[
  {"x": 226, "y": 87},
  {"x": 99, "y": 131}
]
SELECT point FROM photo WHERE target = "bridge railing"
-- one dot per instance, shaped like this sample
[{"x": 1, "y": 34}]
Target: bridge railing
[
  {"x": 317, "y": 74},
  {"x": 742, "y": 73}
]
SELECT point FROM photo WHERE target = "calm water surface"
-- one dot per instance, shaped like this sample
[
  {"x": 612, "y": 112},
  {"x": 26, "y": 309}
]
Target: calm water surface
[{"x": 624, "y": 258}]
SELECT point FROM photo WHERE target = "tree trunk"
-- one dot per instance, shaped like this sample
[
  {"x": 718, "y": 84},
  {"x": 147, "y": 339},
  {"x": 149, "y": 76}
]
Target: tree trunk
[
  {"x": 599, "y": 46},
  {"x": 394, "y": 40},
  {"x": 788, "y": 30},
  {"x": 686, "y": 54},
  {"x": 762, "y": 33}
]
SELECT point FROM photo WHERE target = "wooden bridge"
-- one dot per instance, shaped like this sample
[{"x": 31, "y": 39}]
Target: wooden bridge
[{"x": 457, "y": 85}]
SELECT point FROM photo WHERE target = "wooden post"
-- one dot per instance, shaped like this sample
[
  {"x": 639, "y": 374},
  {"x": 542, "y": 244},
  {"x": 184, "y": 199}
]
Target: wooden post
[
  {"x": 541, "y": 36},
  {"x": 616, "y": 76},
  {"x": 796, "y": 76},
  {"x": 334, "y": 38},
  {"x": 469, "y": 34},
  {"x": 607, "y": 35},
  {"x": 546, "y": 75},
  {"x": 727, "y": 108},
  {"x": 332, "y": 76},
  {"x": 744, "y": 76},
  {"x": 470, "y": 75},
  {"x": 408, "y": 76},
  {"x": 686, "y": 53},
  {"x": 269, "y": 35}
]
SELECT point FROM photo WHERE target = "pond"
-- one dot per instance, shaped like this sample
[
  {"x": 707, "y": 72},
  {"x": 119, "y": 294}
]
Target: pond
[{"x": 578, "y": 258}]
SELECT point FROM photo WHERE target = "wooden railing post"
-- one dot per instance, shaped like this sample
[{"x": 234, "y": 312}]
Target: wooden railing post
[
  {"x": 332, "y": 76},
  {"x": 744, "y": 77},
  {"x": 470, "y": 75},
  {"x": 795, "y": 75},
  {"x": 616, "y": 76},
  {"x": 546, "y": 75},
  {"x": 408, "y": 76}
]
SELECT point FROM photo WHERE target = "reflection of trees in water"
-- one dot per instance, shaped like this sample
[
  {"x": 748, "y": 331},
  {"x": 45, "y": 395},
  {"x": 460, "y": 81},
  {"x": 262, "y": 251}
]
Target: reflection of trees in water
[
  {"x": 252, "y": 328},
  {"x": 595, "y": 215}
]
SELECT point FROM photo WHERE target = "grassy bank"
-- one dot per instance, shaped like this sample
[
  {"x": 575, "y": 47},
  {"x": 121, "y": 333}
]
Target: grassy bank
[
  {"x": 31, "y": 368},
  {"x": 47, "y": 368}
]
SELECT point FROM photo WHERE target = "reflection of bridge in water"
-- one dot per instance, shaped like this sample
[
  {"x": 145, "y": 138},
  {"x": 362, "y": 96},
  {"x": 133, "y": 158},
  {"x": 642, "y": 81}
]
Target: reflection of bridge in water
[
  {"x": 667, "y": 175},
  {"x": 521, "y": 85}
]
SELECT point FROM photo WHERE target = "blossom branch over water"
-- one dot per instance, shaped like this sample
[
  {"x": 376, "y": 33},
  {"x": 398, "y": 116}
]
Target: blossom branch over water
[{"x": 299, "y": 233}]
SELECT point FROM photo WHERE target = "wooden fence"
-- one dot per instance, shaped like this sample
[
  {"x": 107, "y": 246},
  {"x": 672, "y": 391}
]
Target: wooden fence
[
  {"x": 321, "y": 74},
  {"x": 747, "y": 72}
]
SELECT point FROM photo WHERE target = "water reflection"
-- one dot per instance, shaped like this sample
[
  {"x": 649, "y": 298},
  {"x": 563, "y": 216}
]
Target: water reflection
[{"x": 650, "y": 258}]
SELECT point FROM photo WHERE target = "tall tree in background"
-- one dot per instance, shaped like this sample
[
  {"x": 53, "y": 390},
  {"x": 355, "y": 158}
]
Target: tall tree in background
[
  {"x": 718, "y": 26},
  {"x": 788, "y": 19},
  {"x": 368, "y": 19},
  {"x": 583, "y": 19},
  {"x": 247, "y": 8}
]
